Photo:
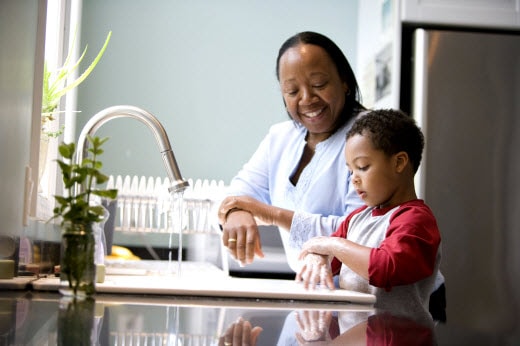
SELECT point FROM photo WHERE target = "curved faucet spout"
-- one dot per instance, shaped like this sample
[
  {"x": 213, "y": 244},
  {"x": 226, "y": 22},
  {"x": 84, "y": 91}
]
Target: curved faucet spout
[{"x": 90, "y": 128}]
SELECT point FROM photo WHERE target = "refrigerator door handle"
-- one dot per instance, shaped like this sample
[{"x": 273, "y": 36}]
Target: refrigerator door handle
[{"x": 419, "y": 100}]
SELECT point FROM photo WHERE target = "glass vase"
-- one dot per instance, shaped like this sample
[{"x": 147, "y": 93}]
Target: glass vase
[
  {"x": 77, "y": 266},
  {"x": 76, "y": 322}
]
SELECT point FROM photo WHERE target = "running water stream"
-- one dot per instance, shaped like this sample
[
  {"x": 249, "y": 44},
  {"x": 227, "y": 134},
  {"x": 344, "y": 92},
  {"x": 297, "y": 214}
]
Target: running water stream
[{"x": 177, "y": 202}]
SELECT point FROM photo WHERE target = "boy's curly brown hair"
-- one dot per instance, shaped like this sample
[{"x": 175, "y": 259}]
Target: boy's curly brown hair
[{"x": 391, "y": 131}]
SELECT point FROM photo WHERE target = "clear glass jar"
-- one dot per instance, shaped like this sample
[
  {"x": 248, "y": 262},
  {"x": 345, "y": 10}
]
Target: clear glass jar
[{"x": 77, "y": 265}]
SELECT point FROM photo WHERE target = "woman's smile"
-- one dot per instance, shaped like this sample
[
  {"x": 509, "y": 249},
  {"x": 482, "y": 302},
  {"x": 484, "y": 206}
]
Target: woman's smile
[{"x": 313, "y": 114}]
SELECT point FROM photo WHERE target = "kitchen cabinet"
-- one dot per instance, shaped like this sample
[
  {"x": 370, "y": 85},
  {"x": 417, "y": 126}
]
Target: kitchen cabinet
[
  {"x": 477, "y": 13},
  {"x": 380, "y": 31}
]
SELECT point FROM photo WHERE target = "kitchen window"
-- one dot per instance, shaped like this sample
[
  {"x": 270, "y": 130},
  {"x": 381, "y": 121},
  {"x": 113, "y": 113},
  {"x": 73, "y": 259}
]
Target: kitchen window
[{"x": 62, "y": 29}]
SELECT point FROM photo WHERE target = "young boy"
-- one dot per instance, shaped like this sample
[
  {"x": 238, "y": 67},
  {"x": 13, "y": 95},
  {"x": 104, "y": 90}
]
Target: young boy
[{"x": 390, "y": 246}]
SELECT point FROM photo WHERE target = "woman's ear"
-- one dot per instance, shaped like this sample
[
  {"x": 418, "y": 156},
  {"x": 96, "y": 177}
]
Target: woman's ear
[
  {"x": 401, "y": 161},
  {"x": 346, "y": 89}
]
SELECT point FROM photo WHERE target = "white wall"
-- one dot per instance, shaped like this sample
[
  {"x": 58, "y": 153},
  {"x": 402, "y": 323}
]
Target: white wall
[
  {"x": 378, "y": 37},
  {"x": 22, "y": 45},
  {"x": 205, "y": 68}
]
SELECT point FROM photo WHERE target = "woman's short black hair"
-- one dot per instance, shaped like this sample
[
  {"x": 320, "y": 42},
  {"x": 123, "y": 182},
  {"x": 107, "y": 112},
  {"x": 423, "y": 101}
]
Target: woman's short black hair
[
  {"x": 391, "y": 131},
  {"x": 352, "y": 96}
]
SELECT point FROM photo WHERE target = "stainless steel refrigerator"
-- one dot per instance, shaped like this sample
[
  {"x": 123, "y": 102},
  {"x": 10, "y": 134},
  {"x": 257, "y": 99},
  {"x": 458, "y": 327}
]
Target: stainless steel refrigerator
[{"x": 463, "y": 88}]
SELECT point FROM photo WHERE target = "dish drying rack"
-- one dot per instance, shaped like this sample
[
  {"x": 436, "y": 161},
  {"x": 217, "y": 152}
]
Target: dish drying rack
[{"x": 145, "y": 205}]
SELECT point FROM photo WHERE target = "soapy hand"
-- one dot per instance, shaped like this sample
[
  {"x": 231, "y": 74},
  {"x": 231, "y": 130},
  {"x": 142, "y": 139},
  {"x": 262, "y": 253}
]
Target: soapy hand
[
  {"x": 315, "y": 270},
  {"x": 314, "y": 327}
]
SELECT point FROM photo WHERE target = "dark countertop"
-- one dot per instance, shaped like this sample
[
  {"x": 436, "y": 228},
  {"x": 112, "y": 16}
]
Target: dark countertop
[
  {"x": 32, "y": 317},
  {"x": 46, "y": 318}
]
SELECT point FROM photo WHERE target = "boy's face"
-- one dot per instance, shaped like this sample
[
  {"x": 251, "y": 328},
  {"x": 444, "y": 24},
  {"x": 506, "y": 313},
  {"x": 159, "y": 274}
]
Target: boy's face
[{"x": 374, "y": 173}]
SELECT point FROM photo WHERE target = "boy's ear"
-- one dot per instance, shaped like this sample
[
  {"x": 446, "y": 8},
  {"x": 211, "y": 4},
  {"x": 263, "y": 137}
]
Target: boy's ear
[{"x": 401, "y": 161}]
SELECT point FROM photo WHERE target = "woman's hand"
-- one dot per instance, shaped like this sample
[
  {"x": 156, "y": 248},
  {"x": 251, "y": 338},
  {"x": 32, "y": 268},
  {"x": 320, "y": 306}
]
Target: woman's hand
[
  {"x": 315, "y": 270},
  {"x": 240, "y": 333},
  {"x": 262, "y": 212},
  {"x": 240, "y": 235},
  {"x": 239, "y": 217}
]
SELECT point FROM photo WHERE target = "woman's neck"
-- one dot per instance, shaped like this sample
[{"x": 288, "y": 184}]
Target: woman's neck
[{"x": 313, "y": 139}]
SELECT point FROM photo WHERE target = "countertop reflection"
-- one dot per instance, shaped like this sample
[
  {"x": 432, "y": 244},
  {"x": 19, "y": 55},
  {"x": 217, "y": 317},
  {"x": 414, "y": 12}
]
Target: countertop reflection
[{"x": 44, "y": 318}]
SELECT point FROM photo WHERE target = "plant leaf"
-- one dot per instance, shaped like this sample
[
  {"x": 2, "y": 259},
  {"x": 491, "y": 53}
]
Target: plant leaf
[
  {"x": 111, "y": 193},
  {"x": 87, "y": 72},
  {"x": 67, "y": 150},
  {"x": 76, "y": 208}
]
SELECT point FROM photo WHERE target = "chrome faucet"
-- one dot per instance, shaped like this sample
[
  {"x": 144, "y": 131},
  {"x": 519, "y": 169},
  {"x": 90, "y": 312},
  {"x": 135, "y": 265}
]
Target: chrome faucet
[{"x": 177, "y": 182}]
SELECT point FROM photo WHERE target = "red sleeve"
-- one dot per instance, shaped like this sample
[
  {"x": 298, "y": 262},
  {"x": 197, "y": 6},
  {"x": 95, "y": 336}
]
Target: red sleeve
[
  {"x": 386, "y": 329},
  {"x": 409, "y": 251},
  {"x": 341, "y": 232}
]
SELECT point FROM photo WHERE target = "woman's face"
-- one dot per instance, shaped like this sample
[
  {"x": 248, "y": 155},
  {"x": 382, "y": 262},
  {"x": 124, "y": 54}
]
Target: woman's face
[{"x": 313, "y": 92}]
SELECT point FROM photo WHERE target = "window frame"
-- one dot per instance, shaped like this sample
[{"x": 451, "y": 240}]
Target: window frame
[{"x": 63, "y": 23}]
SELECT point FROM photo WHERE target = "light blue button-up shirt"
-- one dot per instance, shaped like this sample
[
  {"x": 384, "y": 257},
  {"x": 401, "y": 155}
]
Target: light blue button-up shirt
[{"x": 323, "y": 196}]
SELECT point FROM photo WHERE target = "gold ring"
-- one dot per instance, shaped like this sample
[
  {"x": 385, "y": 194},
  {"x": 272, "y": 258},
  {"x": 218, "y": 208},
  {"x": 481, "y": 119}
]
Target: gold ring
[
  {"x": 230, "y": 240},
  {"x": 228, "y": 343}
]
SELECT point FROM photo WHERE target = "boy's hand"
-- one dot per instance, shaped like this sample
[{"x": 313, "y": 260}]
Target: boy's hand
[
  {"x": 315, "y": 270},
  {"x": 314, "y": 327}
]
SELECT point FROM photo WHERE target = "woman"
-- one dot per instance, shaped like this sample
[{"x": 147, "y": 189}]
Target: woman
[{"x": 297, "y": 178}]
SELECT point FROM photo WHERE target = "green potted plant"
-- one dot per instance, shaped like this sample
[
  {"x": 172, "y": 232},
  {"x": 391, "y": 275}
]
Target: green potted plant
[
  {"x": 56, "y": 85},
  {"x": 79, "y": 216}
]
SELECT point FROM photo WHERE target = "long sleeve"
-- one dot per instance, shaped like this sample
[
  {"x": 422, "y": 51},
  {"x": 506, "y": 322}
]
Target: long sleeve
[
  {"x": 408, "y": 253},
  {"x": 323, "y": 195},
  {"x": 253, "y": 178},
  {"x": 404, "y": 241}
]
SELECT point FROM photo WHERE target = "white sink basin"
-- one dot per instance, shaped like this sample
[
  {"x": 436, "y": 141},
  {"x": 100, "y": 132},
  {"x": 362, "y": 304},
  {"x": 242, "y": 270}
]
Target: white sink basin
[{"x": 204, "y": 279}]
